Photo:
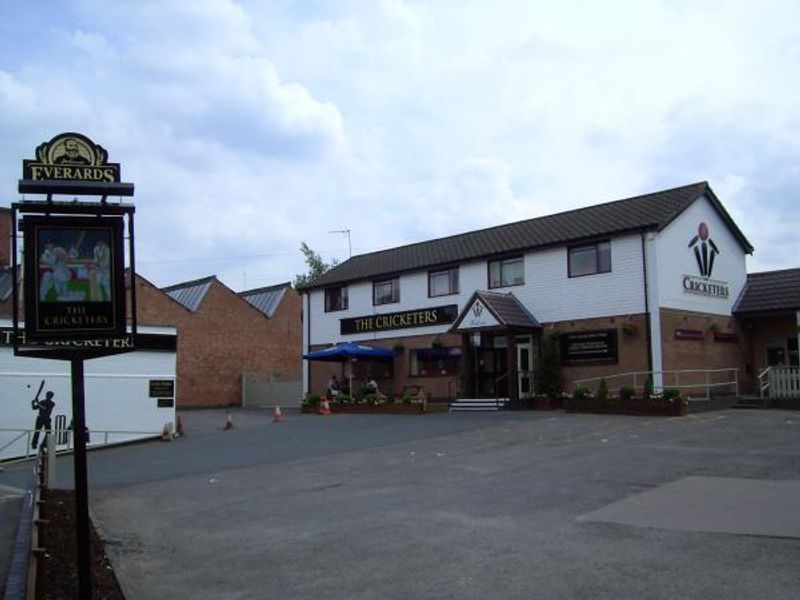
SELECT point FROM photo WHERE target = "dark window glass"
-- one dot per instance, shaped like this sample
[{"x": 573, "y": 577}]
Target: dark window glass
[
  {"x": 336, "y": 299},
  {"x": 443, "y": 283},
  {"x": 386, "y": 292},
  {"x": 426, "y": 362},
  {"x": 504, "y": 273},
  {"x": 590, "y": 259}
]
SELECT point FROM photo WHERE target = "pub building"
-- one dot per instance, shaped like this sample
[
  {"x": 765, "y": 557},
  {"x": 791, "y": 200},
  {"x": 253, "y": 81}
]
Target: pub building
[{"x": 655, "y": 283}]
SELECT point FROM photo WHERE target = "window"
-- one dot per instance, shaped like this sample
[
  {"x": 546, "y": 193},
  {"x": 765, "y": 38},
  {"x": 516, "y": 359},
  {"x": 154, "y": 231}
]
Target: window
[
  {"x": 503, "y": 273},
  {"x": 427, "y": 362},
  {"x": 443, "y": 283},
  {"x": 386, "y": 292},
  {"x": 590, "y": 259},
  {"x": 336, "y": 299}
]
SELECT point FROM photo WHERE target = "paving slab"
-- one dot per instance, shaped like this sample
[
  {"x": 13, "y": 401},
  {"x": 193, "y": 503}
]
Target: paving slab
[{"x": 712, "y": 504}]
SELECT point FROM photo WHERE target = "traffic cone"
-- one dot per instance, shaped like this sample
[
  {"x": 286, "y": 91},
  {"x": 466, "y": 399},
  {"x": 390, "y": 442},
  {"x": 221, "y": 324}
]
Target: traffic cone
[
  {"x": 325, "y": 407},
  {"x": 166, "y": 433},
  {"x": 228, "y": 420},
  {"x": 278, "y": 416},
  {"x": 179, "y": 426}
]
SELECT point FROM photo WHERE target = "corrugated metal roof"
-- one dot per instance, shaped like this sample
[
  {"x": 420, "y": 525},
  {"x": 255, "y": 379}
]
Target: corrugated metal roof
[
  {"x": 191, "y": 293},
  {"x": 650, "y": 211},
  {"x": 770, "y": 291},
  {"x": 266, "y": 299}
]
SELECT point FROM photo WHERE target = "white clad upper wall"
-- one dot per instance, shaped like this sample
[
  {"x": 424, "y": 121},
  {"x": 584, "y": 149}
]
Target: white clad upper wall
[
  {"x": 549, "y": 293},
  {"x": 676, "y": 260}
]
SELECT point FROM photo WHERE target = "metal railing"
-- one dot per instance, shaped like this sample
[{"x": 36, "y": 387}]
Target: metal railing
[
  {"x": 67, "y": 434},
  {"x": 682, "y": 379}
]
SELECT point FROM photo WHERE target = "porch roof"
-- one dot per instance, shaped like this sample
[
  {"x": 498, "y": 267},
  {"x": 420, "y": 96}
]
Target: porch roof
[
  {"x": 770, "y": 291},
  {"x": 505, "y": 307}
]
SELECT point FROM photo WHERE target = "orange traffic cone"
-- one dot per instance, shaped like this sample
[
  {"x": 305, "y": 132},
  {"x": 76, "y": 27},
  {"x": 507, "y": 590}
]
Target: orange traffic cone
[
  {"x": 179, "y": 426},
  {"x": 278, "y": 416},
  {"x": 228, "y": 420},
  {"x": 325, "y": 407}
]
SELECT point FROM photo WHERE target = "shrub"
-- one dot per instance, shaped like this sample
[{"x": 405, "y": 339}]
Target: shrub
[
  {"x": 311, "y": 400},
  {"x": 647, "y": 394},
  {"x": 581, "y": 392},
  {"x": 671, "y": 394},
  {"x": 407, "y": 398},
  {"x": 371, "y": 399},
  {"x": 549, "y": 381},
  {"x": 602, "y": 389},
  {"x": 627, "y": 392}
]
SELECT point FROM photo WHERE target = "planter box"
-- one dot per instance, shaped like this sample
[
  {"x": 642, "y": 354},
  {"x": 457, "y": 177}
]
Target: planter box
[
  {"x": 363, "y": 408},
  {"x": 634, "y": 406}
]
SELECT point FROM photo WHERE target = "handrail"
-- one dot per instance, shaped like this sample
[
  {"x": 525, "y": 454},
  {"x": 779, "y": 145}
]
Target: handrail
[
  {"x": 49, "y": 433},
  {"x": 707, "y": 384}
]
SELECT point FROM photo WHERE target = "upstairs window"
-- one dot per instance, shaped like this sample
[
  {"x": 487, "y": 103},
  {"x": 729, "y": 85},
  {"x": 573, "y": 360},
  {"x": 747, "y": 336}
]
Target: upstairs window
[
  {"x": 443, "y": 283},
  {"x": 386, "y": 291},
  {"x": 506, "y": 272},
  {"x": 590, "y": 259},
  {"x": 336, "y": 299}
]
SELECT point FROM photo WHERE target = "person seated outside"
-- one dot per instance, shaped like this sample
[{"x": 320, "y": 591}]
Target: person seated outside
[
  {"x": 370, "y": 385},
  {"x": 334, "y": 387}
]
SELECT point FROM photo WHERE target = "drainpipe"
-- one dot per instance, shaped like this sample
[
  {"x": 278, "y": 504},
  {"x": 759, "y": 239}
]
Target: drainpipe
[
  {"x": 648, "y": 332},
  {"x": 307, "y": 323}
]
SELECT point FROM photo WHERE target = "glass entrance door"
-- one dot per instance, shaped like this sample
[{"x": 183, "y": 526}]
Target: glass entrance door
[{"x": 524, "y": 367}]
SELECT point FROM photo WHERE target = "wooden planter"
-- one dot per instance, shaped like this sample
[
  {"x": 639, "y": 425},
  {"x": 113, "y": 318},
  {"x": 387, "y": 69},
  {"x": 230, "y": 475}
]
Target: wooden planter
[
  {"x": 634, "y": 406},
  {"x": 396, "y": 408}
]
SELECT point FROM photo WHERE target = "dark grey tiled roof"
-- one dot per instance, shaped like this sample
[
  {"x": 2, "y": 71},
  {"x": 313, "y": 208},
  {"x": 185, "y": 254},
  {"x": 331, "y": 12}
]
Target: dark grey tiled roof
[
  {"x": 650, "y": 211},
  {"x": 266, "y": 299},
  {"x": 191, "y": 293},
  {"x": 505, "y": 307},
  {"x": 770, "y": 291}
]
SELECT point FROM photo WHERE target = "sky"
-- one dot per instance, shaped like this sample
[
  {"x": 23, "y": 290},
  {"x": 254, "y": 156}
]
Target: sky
[{"x": 250, "y": 127}]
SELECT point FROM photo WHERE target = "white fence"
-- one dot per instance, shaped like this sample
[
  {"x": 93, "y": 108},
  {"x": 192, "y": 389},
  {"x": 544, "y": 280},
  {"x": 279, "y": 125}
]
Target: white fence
[{"x": 780, "y": 383}]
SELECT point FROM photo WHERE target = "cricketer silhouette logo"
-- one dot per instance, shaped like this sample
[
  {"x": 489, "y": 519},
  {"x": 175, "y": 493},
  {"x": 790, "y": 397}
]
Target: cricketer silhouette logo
[{"x": 705, "y": 250}]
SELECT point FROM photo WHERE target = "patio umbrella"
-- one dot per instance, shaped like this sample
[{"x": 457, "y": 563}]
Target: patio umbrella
[{"x": 348, "y": 351}]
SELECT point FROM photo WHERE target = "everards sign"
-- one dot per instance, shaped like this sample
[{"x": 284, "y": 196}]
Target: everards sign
[{"x": 70, "y": 157}]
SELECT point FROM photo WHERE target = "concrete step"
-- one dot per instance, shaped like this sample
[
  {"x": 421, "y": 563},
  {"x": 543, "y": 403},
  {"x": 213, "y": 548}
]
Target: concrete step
[{"x": 477, "y": 404}]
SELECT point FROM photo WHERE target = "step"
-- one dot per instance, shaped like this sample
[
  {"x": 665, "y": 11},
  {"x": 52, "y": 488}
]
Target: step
[{"x": 478, "y": 404}]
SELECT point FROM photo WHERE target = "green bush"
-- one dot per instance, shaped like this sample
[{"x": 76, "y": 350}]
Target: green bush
[
  {"x": 627, "y": 392},
  {"x": 407, "y": 398},
  {"x": 581, "y": 392},
  {"x": 647, "y": 394},
  {"x": 312, "y": 400},
  {"x": 672, "y": 394},
  {"x": 549, "y": 381},
  {"x": 602, "y": 389},
  {"x": 371, "y": 399}
]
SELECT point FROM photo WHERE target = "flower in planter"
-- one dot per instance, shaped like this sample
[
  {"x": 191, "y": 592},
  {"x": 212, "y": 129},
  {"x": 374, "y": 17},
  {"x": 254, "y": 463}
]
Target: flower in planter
[
  {"x": 626, "y": 392},
  {"x": 581, "y": 392}
]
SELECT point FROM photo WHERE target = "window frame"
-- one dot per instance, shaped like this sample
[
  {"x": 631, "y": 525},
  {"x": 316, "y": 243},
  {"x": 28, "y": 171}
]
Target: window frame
[
  {"x": 450, "y": 271},
  {"x": 344, "y": 295},
  {"x": 596, "y": 245},
  {"x": 504, "y": 259},
  {"x": 395, "y": 281},
  {"x": 434, "y": 373}
]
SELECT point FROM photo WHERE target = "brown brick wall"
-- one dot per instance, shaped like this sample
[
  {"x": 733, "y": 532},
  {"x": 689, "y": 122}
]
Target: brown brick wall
[
  {"x": 221, "y": 340},
  {"x": 765, "y": 327},
  {"x": 707, "y": 353},
  {"x": 632, "y": 348}
]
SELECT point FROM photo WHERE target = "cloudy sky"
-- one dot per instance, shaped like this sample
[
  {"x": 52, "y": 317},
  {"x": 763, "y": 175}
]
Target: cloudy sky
[{"x": 248, "y": 127}]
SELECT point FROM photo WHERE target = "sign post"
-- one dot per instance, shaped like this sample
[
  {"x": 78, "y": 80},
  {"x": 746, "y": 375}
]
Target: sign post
[{"x": 75, "y": 304}]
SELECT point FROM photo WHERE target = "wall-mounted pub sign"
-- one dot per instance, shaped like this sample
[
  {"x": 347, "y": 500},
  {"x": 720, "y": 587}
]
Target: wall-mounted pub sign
[
  {"x": 589, "y": 347},
  {"x": 74, "y": 266},
  {"x": 423, "y": 317}
]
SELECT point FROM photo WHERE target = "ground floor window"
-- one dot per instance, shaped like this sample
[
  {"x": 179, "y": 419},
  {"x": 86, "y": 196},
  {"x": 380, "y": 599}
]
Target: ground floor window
[{"x": 434, "y": 361}]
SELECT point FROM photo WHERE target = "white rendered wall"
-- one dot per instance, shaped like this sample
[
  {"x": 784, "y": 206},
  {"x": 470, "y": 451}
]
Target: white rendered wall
[
  {"x": 116, "y": 393},
  {"x": 676, "y": 259},
  {"x": 549, "y": 293}
]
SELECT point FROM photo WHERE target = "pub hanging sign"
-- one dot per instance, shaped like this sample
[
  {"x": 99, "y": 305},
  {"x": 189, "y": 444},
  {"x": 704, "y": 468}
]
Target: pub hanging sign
[
  {"x": 71, "y": 157},
  {"x": 74, "y": 266}
]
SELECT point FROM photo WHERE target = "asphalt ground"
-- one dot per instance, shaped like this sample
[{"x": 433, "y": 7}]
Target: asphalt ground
[{"x": 507, "y": 505}]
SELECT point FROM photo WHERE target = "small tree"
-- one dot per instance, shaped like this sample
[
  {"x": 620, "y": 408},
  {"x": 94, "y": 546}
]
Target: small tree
[
  {"x": 648, "y": 388},
  {"x": 548, "y": 372},
  {"x": 602, "y": 390},
  {"x": 316, "y": 267}
]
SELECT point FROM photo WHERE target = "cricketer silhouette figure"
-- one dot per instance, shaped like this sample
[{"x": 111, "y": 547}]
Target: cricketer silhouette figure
[{"x": 45, "y": 408}]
